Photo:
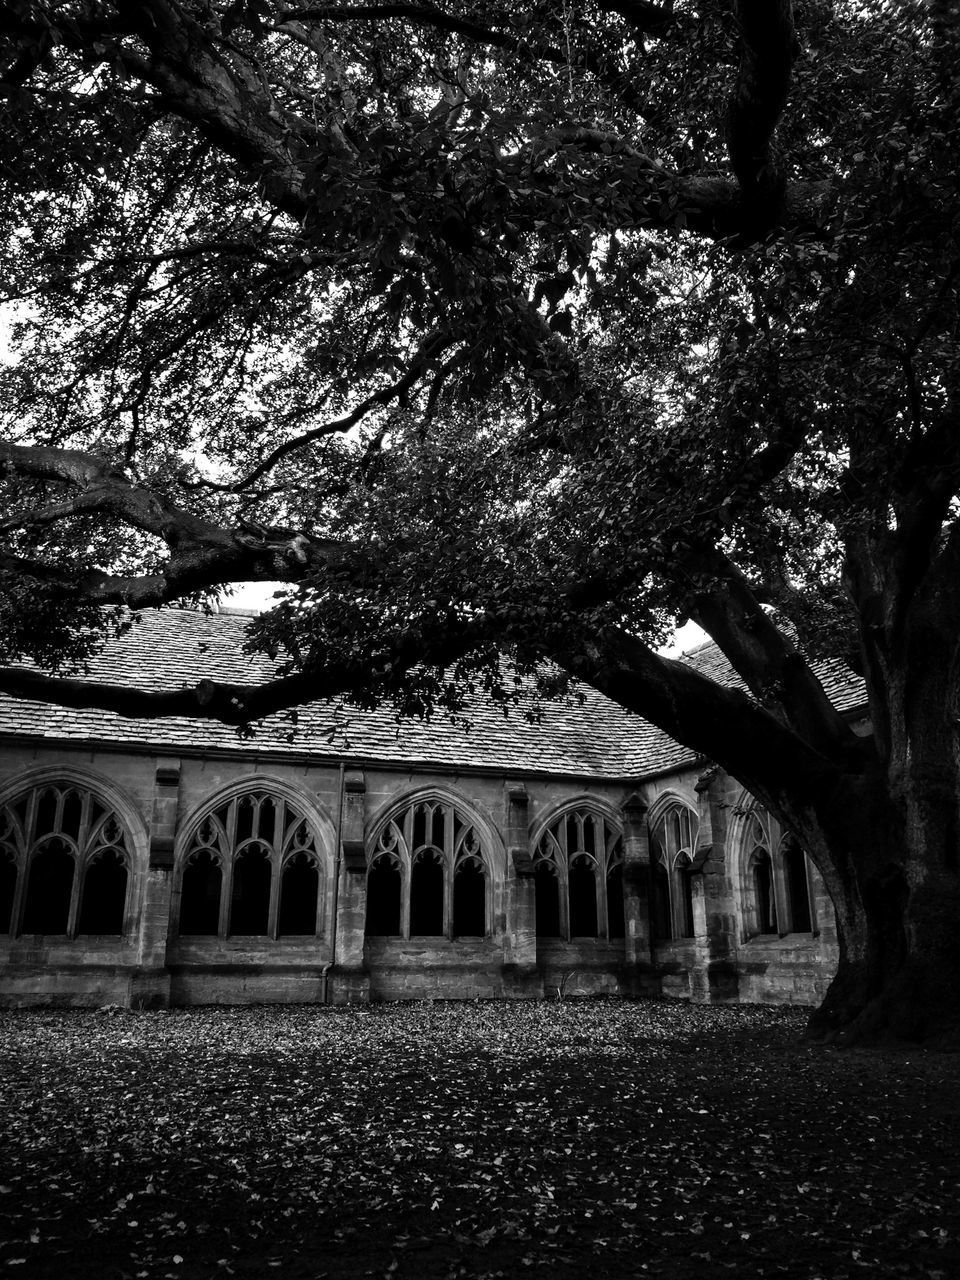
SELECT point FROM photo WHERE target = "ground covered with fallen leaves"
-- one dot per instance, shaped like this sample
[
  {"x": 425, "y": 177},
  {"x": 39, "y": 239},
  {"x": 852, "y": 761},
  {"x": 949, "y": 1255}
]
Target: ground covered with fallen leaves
[{"x": 470, "y": 1140}]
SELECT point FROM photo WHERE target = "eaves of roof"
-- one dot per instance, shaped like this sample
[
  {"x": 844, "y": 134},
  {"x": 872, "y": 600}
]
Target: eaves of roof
[{"x": 590, "y": 739}]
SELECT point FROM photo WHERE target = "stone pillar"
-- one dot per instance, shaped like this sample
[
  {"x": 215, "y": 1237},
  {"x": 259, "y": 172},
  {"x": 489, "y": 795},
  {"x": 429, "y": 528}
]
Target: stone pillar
[
  {"x": 348, "y": 978},
  {"x": 150, "y": 984},
  {"x": 714, "y": 979},
  {"x": 520, "y": 973},
  {"x": 640, "y": 974}
]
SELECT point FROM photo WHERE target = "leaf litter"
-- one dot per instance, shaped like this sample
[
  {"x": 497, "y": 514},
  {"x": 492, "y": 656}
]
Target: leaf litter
[{"x": 470, "y": 1139}]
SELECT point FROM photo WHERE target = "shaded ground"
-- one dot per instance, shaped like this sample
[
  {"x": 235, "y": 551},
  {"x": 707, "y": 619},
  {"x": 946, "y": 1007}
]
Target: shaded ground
[{"x": 470, "y": 1140}]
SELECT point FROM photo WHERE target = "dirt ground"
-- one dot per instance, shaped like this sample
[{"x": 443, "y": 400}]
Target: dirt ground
[{"x": 470, "y": 1140}]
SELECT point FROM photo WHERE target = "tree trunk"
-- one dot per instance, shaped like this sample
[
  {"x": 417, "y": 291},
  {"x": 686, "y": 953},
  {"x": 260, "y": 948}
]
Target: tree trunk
[
  {"x": 891, "y": 867},
  {"x": 899, "y": 971}
]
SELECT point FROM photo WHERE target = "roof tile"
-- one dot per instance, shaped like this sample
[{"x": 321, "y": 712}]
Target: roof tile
[{"x": 171, "y": 648}]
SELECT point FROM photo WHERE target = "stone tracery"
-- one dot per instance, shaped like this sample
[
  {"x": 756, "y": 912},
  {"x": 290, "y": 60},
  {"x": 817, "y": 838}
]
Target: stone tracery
[
  {"x": 252, "y": 867},
  {"x": 578, "y": 870},
  {"x": 429, "y": 874},
  {"x": 65, "y": 856}
]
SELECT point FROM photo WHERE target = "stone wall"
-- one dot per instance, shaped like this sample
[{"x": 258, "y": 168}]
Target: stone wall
[{"x": 160, "y": 799}]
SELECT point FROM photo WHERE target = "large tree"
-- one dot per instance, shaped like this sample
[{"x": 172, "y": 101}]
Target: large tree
[{"x": 512, "y": 335}]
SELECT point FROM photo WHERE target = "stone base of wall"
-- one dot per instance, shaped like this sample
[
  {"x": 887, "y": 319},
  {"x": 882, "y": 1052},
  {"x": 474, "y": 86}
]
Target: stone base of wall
[
  {"x": 250, "y": 984},
  {"x": 348, "y": 986},
  {"x": 583, "y": 967},
  {"x": 791, "y": 970},
  {"x": 72, "y": 987},
  {"x": 439, "y": 969},
  {"x": 794, "y": 969}
]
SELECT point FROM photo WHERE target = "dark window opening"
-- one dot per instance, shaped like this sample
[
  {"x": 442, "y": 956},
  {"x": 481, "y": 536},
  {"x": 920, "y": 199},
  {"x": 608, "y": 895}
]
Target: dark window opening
[
  {"x": 299, "y": 889},
  {"x": 426, "y": 897},
  {"x": 685, "y": 888},
  {"x": 200, "y": 896},
  {"x": 660, "y": 903},
  {"x": 49, "y": 887},
  {"x": 763, "y": 893},
  {"x": 469, "y": 901},
  {"x": 8, "y": 888},
  {"x": 795, "y": 865},
  {"x": 383, "y": 899},
  {"x": 250, "y": 902},
  {"x": 547, "y": 889},
  {"x": 104, "y": 895},
  {"x": 583, "y": 900},
  {"x": 615, "y": 920}
]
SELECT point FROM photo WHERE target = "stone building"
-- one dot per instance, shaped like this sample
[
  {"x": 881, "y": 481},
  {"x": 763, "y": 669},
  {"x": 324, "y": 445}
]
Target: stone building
[{"x": 344, "y": 857}]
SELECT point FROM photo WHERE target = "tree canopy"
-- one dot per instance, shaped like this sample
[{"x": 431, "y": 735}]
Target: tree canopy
[{"x": 524, "y": 330}]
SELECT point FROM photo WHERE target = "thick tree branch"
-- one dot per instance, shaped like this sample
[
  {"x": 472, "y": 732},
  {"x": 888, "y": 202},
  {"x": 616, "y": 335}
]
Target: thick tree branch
[
  {"x": 204, "y": 555},
  {"x": 725, "y": 725},
  {"x": 769, "y": 663},
  {"x": 768, "y": 49},
  {"x": 383, "y": 669}
]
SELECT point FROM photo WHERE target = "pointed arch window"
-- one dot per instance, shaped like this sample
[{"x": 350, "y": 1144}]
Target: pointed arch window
[
  {"x": 578, "y": 877},
  {"x": 764, "y": 902},
  {"x": 252, "y": 868},
  {"x": 673, "y": 839},
  {"x": 797, "y": 882},
  {"x": 65, "y": 858},
  {"x": 429, "y": 875},
  {"x": 775, "y": 885}
]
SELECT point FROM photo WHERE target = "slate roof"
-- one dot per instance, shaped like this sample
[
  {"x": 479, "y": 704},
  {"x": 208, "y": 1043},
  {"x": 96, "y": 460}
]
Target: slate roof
[{"x": 169, "y": 648}]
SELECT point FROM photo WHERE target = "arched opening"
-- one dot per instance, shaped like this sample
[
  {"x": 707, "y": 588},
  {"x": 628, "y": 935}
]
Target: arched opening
[
  {"x": 673, "y": 840},
  {"x": 383, "y": 899},
  {"x": 583, "y": 898},
  {"x": 795, "y": 870},
  {"x": 615, "y": 918},
  {"x": 49, "y": 889},
  {"x": 200, "y": 896},
  {"x": 682, "y": 869},
  {"x": 8, "y": 889},
  {"x": 250, "y": 900},
  {"x": 426, "y": 895},
  {"x": 246, "y": 835},
  {"x": 547, "y": 890},
  {"x": 660, "y": 922},
  {"x": 469, "y": 900},
  {"x": 299, "y": 893},
  {"x": 104, "y": 894},
  {"x": 763, "y": 901}
]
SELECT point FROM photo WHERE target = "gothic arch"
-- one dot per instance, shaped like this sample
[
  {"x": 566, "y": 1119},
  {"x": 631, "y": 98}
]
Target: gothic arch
[
  {"x": 762, "y": 849},
  {"x": 666, "y": 801},
  {"x": 672, "y": 823},
  {"x": 437, "y": 793},
  {"x": 255, "y": 858},
  {"x": 78, "y": 867},
  {"x": 603, "y": 808},
  {"x": 125, "y": 806},
  {"x": 578, "y": 870},
  {"x": 434, "y": 866},
  {"x": 749, "y": 833}
]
